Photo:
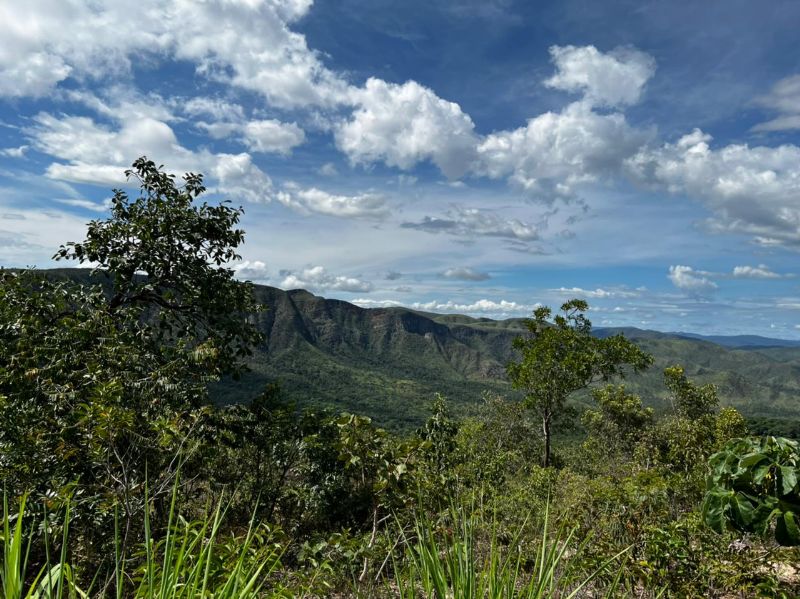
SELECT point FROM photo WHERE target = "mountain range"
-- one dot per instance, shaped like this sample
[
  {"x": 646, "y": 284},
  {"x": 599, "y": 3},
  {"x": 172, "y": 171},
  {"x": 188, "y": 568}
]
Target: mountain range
[{"x": 389, "y": 362}]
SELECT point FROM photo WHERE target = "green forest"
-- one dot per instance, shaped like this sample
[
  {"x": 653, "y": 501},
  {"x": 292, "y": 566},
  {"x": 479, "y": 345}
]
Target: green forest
[{"x": 170, "y": 431}]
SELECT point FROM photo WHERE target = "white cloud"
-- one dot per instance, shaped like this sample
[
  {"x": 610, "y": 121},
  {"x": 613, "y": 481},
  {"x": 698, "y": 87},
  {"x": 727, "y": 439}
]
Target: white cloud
[
  {"x": 784, "y": 98},
  {"x": 17, "y": 152},
  {"x": 229, "y": 120},
  {"x": 483, "y": 307},
  {"x": 613, "y": 79},
  {"x": 316, "y": 278},
  {"x": 555, "y": 152},
  {"x": 218, "y": 109},
  {"x": 260, "y": 135},
  {"x": 465, "y": 274},
  {"x": 313, "y": 200},
  {"x": 272, "y": 136},
  {"x": 31, "y": 237},
  {"x": 755, "y": 191},
  {"x": 254, "y": 270},
  {"x": 328, "y": 170},
  {"x": 122, "y": 103},
  {"x": 595, "y": 293},
  {"x": 99, "y": 154},
  {"x": 246, "y": 43},
  {"x": 402, "y": 125},
  {"x": 689, "y": 279},
  {"x": 762, "y": 271},
  {"x": 86, "y": 204},
  {"x": 472, "y": 222}
]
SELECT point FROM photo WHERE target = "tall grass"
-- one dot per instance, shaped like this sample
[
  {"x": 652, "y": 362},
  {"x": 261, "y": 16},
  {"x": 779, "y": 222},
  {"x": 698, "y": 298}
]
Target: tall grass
[
  {"x": 190, "y": 561},
  {"x": 454, "y": 565},
  {"x": 53, "y": 581}
]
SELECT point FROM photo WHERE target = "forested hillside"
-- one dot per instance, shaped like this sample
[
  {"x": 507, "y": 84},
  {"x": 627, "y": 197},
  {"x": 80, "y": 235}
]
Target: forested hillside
[{"x": 388, "y": 362}]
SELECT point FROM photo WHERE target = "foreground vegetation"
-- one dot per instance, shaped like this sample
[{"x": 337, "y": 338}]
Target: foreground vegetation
[{"x": 123, "y": 480}]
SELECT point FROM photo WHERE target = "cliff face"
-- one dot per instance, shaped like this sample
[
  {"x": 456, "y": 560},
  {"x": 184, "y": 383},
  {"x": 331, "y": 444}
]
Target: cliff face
[
  {"x": 388, "y": 363},
  {"x": 392, "y": 337}
]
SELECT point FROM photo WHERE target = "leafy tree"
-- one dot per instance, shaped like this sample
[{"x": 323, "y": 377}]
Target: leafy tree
[
  {"x": 561, "y": 357},
  {"x": 165, "y": 258},
  {"x": 100, "y": 384},
  {"x": 687, "y": 398},
  {"x": 618, "y": 420},
  {"x": 257, "y": 448},
  {"x": 681, "y": 442}
]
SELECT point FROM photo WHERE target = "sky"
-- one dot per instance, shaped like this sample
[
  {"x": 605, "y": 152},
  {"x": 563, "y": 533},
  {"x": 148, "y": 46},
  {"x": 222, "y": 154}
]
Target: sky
[{"x": 473, "y": 156}]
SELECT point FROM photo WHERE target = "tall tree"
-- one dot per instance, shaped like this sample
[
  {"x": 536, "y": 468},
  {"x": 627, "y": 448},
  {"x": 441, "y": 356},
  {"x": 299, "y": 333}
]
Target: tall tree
[
  {"x": 166, "y": 257},
  {"x": 99, "y": 379},
  {"x": 560, "y": 357}
]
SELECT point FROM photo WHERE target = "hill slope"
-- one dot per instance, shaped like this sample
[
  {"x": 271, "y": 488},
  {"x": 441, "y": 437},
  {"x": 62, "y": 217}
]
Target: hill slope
[{"x": 389, "y": 362}]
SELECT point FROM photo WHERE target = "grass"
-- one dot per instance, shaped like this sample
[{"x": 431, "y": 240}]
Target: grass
[
  {"x": 453, "y": 565},
  {"x": 192, "y": 560},
  {"x": 460, "y": 557}
]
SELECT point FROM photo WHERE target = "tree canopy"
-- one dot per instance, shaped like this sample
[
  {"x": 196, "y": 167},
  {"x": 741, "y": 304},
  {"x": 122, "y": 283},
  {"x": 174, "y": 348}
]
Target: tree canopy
[
  {"x": 560, "y": 357},
  {"x": 101, "y": 381}
]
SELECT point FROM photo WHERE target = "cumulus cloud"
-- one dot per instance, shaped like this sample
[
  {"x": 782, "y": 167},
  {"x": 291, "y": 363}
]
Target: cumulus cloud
[
  {"x": 755, "y": 191},
  {"x": 480, "y": 307},
  {"x": 254, "y": 270},
  {"x": 402, "y": 125},
  {"x": 99, "y": 154},
  {"x": 556, "y": 151},
  {"x": 17, "y": 152},
  {"x": 270, "y": 135},
  {"x": 472, "y": 222},
  {"x": 245, "y": 43},
  {"x": 689, "y": 279},
  {"x": 595, "y": 293},
  {"x": 227, "y": 120},
  {"x": 316, "y": 278},
  {"x": 612, "y": 79},
  {"x": 313, "y": 200},
  {"x": 465, "y": 274},
  {"x": 217, "y": 108}
]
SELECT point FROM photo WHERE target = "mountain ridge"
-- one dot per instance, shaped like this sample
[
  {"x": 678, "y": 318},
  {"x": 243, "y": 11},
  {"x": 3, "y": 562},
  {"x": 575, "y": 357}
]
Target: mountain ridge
[{"x": 388, "y": 363}]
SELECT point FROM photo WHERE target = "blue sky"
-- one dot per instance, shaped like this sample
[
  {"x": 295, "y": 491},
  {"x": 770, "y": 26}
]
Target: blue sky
[{"x": 474, "y": 156}]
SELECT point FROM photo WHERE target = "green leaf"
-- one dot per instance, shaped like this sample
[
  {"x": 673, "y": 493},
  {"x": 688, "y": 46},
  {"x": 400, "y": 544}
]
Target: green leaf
[
  {"x": 787, "y": 532},
  {"x": 788, "y": 479},
  {"x": 752, "y": 459},
  {"x": 743, "y": 510}
]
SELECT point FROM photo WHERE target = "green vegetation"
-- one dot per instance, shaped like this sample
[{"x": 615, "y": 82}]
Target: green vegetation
[
  {"x": 123, "y": 479},
  {"x": 754, "y": 486},
  {"x": 561, "y": 357},
  {"x": 388, "y": 363}
]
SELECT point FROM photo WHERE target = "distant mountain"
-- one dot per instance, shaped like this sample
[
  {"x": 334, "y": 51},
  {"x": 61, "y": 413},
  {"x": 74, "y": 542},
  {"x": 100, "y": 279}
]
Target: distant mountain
[
  {"x": 742, "y": 341},
  {"x": 389, "y": 362}
]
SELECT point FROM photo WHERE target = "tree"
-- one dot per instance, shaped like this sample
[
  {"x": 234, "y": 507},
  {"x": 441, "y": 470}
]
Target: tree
[
  {"x": 688, "y": 399},
  {"x": 165, "y": 257},
  {"x": 619, "y": 419},
  {"x": 101, "y": 380},
  {"x": 561, "y": 357}
]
